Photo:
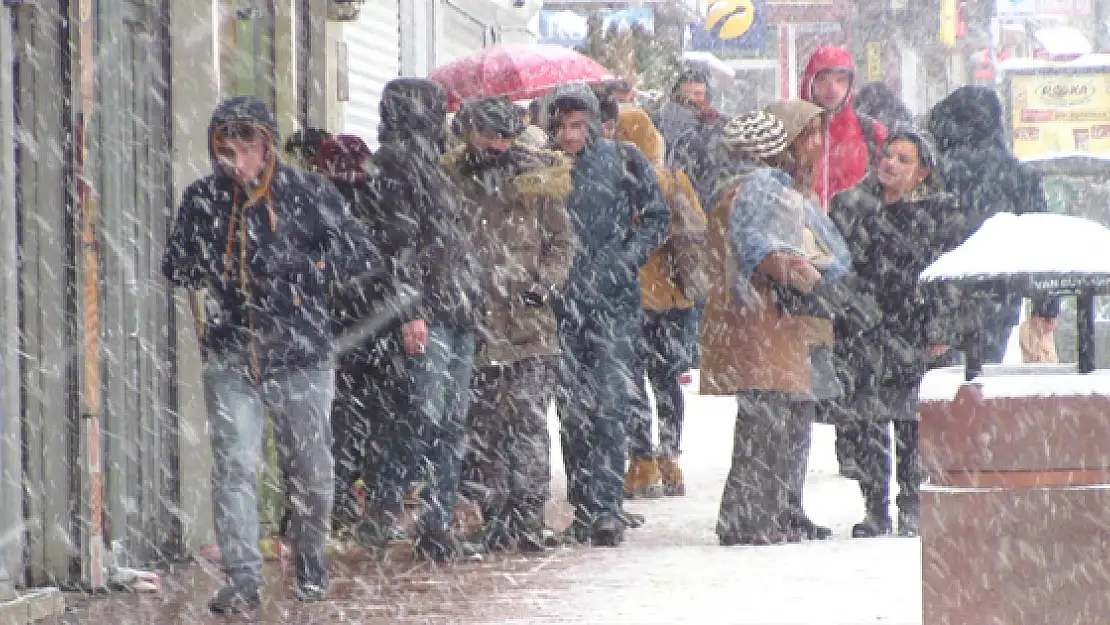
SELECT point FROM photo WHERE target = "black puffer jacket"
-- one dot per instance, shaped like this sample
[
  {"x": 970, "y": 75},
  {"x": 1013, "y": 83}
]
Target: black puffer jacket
[
  {"x": 412, "y": 208},
  {"x": 299, "y": 240},
  {"x": 891, "y": 245},
  {"x": 979, "y": 169}
]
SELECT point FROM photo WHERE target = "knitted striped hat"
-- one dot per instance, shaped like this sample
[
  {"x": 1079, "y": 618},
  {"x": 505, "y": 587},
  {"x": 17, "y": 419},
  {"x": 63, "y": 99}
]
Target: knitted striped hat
[{"x": 758, "y": 133}]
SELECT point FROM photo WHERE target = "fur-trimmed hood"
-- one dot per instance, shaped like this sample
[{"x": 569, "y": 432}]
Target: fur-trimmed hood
[{"x": 534, "y": 172}]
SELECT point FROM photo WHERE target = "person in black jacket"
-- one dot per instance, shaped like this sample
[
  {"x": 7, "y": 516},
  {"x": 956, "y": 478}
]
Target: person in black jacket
[
  {"x": 897, "y": 222},
  {"x": 414, "y": 209},
  {"x": 979, "y": 169},
  {"x": 264, "y": 240}
]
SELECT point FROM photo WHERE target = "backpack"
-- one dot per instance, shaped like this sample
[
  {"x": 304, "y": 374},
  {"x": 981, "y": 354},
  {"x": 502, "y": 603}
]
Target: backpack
[{"x": 685, "y": 251}]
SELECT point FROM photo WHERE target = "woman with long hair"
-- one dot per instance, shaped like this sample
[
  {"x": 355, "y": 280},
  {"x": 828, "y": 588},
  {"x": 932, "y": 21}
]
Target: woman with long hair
[{"x": 773, "y": 250}]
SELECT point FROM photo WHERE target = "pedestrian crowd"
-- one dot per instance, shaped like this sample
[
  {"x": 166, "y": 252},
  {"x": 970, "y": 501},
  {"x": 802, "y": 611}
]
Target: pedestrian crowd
[{"x": 406, "y": 318}]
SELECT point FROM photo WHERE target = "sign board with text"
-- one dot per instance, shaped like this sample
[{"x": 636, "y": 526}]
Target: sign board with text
[
  {"x": 730, "y": 25},
  {"x": 1060, "y": 113}
]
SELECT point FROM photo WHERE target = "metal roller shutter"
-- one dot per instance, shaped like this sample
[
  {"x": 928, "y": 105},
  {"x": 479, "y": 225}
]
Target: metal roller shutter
[
  {"x": 374, "y": 58},
  {"x": 461, "y": 35}
]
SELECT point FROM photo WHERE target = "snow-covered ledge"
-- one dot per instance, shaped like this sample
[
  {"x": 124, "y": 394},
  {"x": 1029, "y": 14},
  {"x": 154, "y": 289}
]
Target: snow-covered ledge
[
  {"x": 1038, "y": 244},
  {"x": 1016, "y": 381},
  {"x": 1028, "y": 255}
]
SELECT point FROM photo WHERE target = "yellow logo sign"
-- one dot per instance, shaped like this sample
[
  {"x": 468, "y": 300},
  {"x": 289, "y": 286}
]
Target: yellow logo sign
[{"x": 734, "y": 17}]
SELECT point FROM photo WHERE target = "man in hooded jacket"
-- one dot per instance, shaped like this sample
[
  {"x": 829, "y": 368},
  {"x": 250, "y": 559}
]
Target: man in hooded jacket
[
  {"x": 263, "y": 239},
  {"x": 620, "y": 218},
  {"x": 851, "y": 143},
  {"x": 693, "y": 133},
  {"x": 979, "y": 169},
  {"x": 414, "y": 208}
]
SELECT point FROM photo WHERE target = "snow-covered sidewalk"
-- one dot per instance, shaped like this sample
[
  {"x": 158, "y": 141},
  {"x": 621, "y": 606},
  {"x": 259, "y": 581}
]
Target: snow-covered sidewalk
[{"x": 673, "y": 571}]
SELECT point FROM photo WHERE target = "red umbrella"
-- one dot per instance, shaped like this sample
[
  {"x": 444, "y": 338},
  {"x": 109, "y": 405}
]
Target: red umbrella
[{"x": 516, "y": 71}]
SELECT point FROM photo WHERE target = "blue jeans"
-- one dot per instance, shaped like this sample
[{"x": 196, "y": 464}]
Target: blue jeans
[
  {"x": 441, "y": 384},
  {"x": 597, "y": 386},
  {"x": 298, "y": 402}
]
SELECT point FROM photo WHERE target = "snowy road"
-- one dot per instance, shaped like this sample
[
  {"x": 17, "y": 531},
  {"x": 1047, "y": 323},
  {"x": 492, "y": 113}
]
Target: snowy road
[{"x": 670, "y": 571}]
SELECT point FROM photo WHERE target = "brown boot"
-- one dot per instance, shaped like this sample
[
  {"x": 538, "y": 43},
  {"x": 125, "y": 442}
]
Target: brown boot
[
  {"x": 671, "y": 474},
  {"x": 643, "y": 479}
]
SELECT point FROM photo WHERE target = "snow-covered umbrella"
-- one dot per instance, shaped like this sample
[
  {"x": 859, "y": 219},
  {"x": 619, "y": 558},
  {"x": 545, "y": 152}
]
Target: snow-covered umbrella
[{"x": 516, "y": 71}]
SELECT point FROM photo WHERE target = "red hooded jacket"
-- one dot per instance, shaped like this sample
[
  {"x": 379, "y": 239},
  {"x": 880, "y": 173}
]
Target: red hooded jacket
[{"x": 846, "y": 154}]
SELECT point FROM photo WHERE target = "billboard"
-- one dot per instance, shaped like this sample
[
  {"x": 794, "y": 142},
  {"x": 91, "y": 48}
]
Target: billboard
[
  {"x": 1060, "y": 113},
  {"x": 568, "y": 28},
  {"x": 730, "y": 25}
]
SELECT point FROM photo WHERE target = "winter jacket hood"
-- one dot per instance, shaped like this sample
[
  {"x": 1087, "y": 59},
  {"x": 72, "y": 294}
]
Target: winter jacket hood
[
  {"x": 847, "y": 153},
  {"x": 250, "y": 111},
  {"x": 537, "y": 172},
  {"x": 576, "y": 96},
  {"x": 970, "y": 116},
  {"x": 413, "y": 112},
  {"x": 415, "y": 199},
  {"x": 634, "y": 125},
  {"x": 828, "y": 58},
  {"x": 242, "y": 108}
]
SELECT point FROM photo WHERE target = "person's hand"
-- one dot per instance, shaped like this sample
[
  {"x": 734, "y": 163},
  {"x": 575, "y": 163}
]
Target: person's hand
[
  {"x": 414, "y": 336},
  {"x": 1043, "y": 325},
  {"x": 936, "y": 351},
  {"x": 803, "y": 275}
]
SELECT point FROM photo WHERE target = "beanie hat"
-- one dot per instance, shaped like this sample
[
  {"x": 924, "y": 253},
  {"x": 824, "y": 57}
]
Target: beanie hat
[
  {"x": 796, "y": 115},
  {"x": 496, "y": 116},
  {"x": 758, "y": 133}
]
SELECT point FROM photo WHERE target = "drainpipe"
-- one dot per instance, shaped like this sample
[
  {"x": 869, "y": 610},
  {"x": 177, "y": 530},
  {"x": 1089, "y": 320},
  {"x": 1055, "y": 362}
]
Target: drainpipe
[{"x": 11, "y": 521}]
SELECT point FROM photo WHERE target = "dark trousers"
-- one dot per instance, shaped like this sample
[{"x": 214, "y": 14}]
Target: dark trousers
[
  {"x": 763, "y": 491},
  {"x": 508, "y": 457},
  {"x": 662, "y": 354},
  {"x": 373, "y": 434},
  {"x": 596, "y": 386},
  {"x": 898, "y": 405}
]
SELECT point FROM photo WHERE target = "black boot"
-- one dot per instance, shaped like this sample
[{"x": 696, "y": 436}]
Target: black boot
[
  {"x": 876, "y": 522},
  {"x": 312, "y": 578},
  {"x": 379, "y": 528},
  {"x": 443, "y": 548},
  {"x": 607, "y": 531},
  {"x": 802, "y": 524},
  {"x": 239, "y": 594},
  {"x": 495, "y": 534},
  {"x": 909, "y": 517},
  {"x": 526, "y": 522}
]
